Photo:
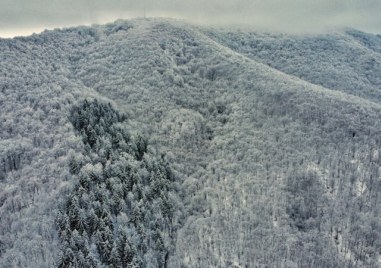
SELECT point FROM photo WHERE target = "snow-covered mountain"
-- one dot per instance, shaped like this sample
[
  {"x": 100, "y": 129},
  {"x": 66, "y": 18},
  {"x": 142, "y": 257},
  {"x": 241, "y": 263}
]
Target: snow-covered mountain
[{"x": 266, "y": 148}]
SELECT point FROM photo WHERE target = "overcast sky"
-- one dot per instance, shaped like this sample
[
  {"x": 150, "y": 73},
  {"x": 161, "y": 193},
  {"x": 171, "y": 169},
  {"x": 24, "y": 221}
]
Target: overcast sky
[{"x": 22, "y": 17}]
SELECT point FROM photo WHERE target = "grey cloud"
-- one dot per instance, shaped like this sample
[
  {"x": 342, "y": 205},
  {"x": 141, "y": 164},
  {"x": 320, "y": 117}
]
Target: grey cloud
[{"x": 18, "y": 16}]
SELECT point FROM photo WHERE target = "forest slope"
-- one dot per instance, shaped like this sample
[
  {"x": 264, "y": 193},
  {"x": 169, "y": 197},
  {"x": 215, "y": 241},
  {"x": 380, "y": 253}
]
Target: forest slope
[
  {"x": 278, "y": 159},
  {"x": 347, "y": 60}
]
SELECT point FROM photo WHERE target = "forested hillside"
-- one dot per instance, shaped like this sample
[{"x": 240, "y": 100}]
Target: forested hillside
[
  {"x": 348, "y": 61},
  {"x": 155, "y": 143}
]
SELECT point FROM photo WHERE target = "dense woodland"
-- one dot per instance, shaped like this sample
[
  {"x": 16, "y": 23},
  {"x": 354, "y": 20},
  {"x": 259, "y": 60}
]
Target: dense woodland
[
  {"x": 155, "y": 143},
  {"x": 124, "y": 203}
]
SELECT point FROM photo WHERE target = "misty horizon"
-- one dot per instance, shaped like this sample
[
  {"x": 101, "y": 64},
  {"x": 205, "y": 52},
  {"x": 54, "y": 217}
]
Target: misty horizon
[{"x": 296, "y": 16}]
